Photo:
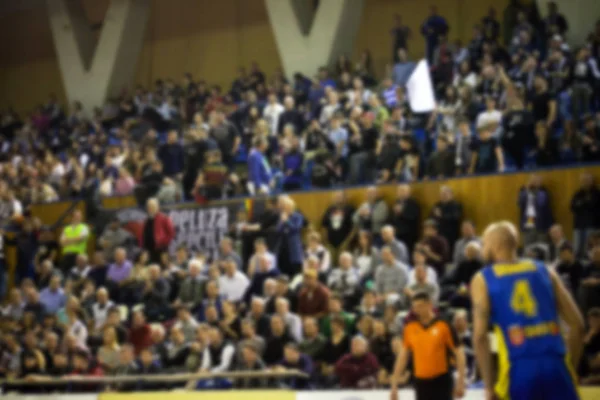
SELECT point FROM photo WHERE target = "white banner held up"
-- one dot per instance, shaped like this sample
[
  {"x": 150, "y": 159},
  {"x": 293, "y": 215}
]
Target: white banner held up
[{"x": 420, "y": 89}]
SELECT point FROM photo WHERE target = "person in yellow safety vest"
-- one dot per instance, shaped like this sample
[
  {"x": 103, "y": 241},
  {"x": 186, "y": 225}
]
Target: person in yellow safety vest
[{"x": 73, "y": 241}]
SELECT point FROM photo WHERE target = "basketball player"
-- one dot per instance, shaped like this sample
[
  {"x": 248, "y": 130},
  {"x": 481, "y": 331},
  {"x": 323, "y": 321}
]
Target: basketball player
[{"x": 524, "y": 300}]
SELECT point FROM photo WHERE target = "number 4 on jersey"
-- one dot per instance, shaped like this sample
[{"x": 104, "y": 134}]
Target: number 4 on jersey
[{"x": 522, "y": 301}]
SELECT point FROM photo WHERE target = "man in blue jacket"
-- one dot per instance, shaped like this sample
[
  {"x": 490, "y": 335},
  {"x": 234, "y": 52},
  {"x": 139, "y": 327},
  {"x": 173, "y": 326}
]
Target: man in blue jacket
[
  {"x": 259, "y": 170},
  {"x": 434, "y": 26}
]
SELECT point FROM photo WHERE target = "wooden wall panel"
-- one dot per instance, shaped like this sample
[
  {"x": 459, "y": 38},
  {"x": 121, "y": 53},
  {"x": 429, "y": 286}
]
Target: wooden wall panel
[
  {"x": 485, "y": 199},
  {"x": 209, "y": 38}
]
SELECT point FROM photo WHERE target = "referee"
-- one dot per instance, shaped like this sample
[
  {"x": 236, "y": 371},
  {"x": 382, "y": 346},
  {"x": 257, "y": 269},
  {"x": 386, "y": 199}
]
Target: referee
[{"x": 431, "y": 342}]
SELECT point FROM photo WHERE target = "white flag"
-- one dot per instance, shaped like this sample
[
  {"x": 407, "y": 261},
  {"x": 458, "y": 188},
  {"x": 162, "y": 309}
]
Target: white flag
[{"x": 420, "y": 89}]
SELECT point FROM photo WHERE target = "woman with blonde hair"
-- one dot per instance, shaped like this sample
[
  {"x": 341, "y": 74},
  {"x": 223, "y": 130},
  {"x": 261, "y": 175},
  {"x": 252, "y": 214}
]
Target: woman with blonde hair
[{"x": 108, "y": 353}]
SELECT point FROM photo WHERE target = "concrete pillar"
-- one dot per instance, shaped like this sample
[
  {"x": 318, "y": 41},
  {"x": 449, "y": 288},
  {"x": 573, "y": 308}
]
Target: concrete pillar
[
  {"x": 332, "y": 32},
  {"x": 580, "y": 14},
  {"x": 94, "y": 71}
]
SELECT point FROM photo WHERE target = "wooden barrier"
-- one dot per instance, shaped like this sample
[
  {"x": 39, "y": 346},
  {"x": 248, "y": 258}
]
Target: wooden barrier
[
  {"x": 38, "y": 380},
  {"x": 484, "y": 198}
]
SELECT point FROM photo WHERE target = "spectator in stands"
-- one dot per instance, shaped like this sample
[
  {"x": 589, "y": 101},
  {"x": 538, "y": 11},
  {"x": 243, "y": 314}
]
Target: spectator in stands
[
  {"x": 359, "y": 368},
  {"x": 276, "y": 341},
  {"x": 556, "y": 242},
  {"x": 233, "y": 283},
  {"x": 100, "y": 309},
  {"x": 73, "y": 241},
  {"x": 313, "y": 342},
  {"x": 218, "y": 356},
  {"x": 108, "y": 353},
  {"x": 569, "y": 268},
  {"x": 448, "y": 214},
  {"x": 316, "y": 249},
  {"x": 250, "y": 338},
  {"x": 118, "y": 274},
  {"x": 591, "y": 140},
  {"x": 467, "y": 235},
  {"x": 140, "y": 333},
  {"x": 584, "y": 206},
  {"x": 388, "y": 237},
  {"x": 336, "y": 310},
  {"x": 434, "y": 246},
  {"x": 546, "y": 151},
  {"x": 391, "y": 276},
  {"x": 259, "y": 317},
  {"x": 158, "y": 231},
  {"x": 53, "y": 297},
  {"x": 293, "y": 323},
  {"x": 112, "y": 237},
  {"x": 405, "y": 217},
  {"x": 293, "y": 359},
  {"x": 156, "y": 294},
  {"x": 590, "y": 365},
  {"x": 250, "y": 361},
  {"x": 460, "y": 323},
  {"x": 177, "y": 351},
  {"x": 290, "y": 252},
  {"x": 422, "y": 284},
  {"x": 432, "y": 28},
  {"x": 373, "y": 214},
  {"x": 590, "y": 295},
  {"x": 441, "y": 162},
  {"x": 337, "y": 223},
  {"x": 260, "y": 179},
  {"x": 467, "y": 267},
  {"x": 486, "y": 156},
  {"x": 313, "y": 296},
  {"x": 345, "y": 280},
  {"x": 366, "y": 256},
  {"x": 191, "y": 291},
  {"x": 536, "y": 214}
]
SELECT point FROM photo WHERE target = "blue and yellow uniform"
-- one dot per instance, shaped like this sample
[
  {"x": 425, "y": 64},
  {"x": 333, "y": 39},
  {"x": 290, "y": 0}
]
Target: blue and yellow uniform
[{"x": 531, "y": 351}]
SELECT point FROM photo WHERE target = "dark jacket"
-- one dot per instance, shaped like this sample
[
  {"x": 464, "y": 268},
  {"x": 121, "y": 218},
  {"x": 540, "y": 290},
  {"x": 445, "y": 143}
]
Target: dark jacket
[
  {"x": 291, "y": 232},
  {"x": 406, "y": 222},
  {"x": 450, "y": 220},
  {"x": 158, "y": 297},
  {"x": 337, "y": 221},
  {"x": 585, "y": 206},
  {"x": 305, "y": 365},
  {"x": 543, "y": 211},
  {"x": 357, "y": 372},
  {"x": 257, "y": 283}
]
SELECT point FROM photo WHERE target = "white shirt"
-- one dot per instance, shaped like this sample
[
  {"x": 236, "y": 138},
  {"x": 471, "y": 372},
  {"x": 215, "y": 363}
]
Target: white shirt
[
  {"x": 79, "y": 331},
  {"x": 431, "y": 276},
  {"x": 294, "y": 325},
  {"x": 233, "y": 288},
  {"x": 271, "y": 113},
  {"x": 488, "y": 117},
  {"x": 100, "y": 313},
  {"x": 226, "y": 359}
]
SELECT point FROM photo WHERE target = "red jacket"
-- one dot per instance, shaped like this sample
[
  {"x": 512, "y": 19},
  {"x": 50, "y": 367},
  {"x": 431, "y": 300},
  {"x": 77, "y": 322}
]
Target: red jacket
[
  {"x": 164, "y": 232},
  {"x": 140, "y": 338},
  {"x": 357, "y": 372}
]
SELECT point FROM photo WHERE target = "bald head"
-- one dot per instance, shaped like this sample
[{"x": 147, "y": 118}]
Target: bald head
[{"x": 500, "y": 241}]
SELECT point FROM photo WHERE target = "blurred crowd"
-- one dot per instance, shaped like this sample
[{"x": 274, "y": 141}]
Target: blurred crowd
[
  {"x": 523, "y": 101},
  {"x": 281, "y": 294}
]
